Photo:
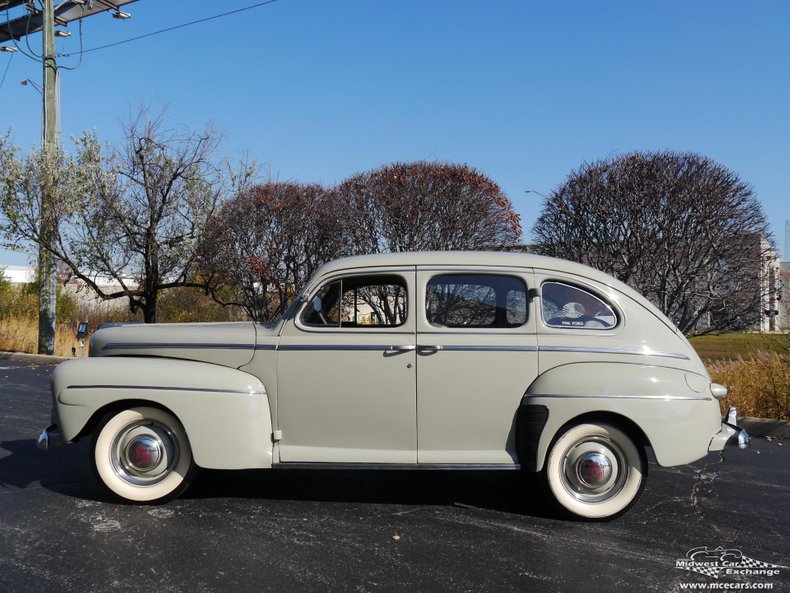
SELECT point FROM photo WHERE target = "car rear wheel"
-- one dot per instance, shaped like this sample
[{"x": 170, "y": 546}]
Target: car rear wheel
[
  {"x": 594, "y": 471},
  {"x": 142, "y": 455}
]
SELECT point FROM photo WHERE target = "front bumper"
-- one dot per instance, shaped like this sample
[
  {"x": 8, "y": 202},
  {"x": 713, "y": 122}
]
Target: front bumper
[
  {"x": 49, "y": 437},
  {"x": 730, "y": 434}
]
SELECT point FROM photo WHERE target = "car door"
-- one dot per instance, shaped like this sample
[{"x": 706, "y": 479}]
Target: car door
[
  {"x": 476, "y": 356},
  {"x": 346, "y": 371}
]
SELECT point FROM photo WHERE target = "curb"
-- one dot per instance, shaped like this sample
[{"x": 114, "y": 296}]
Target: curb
[
  {"x": 40, "y": 358},
  {"x": 765, "y": 427}
]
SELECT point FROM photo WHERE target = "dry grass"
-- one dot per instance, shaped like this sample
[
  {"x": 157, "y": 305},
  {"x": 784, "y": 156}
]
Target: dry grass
[
  {"x": 758, "y": 385},
  {"x": 20, "y": 334}
]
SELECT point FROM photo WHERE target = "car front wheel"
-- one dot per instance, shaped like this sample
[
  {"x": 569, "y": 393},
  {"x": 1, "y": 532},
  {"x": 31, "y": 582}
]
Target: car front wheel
[
  {"x": 142, "y": 455},
  {"x": 594, "y": 471}
]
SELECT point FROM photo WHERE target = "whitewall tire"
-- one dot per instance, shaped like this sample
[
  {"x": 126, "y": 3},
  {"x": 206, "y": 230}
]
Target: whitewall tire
[
  {"x": 594, "y": 471},
  {"x": 142, "y": 455}
]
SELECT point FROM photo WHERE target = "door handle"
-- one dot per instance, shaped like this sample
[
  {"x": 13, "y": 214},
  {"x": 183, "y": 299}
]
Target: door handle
[
  {"x": 429, "y": 347},
  {"x": 402, "y": 348}
]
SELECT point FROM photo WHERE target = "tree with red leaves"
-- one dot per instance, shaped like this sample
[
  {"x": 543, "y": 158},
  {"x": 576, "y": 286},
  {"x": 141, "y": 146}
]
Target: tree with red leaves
[
  {"x": 425, "y": 206},
  {"x": 262, "y": 245},
  {"x": 685, "y": 231}
]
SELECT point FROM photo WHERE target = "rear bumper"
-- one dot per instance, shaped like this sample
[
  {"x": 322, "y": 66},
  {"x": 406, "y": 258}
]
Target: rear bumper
[
  {"x": 730, "y": 434},
  {"x": 49, "y": 437}
]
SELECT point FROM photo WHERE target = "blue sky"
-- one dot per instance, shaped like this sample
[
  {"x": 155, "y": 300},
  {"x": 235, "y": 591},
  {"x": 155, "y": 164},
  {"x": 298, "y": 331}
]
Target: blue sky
[{"x": 523, "y": 91}]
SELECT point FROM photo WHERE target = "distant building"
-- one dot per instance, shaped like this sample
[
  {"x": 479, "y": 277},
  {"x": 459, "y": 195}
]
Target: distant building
[
  {"x": 19, "y": 274},
  {"x": 72, "y": 285},
  {"x": 770, "y": 287},
  {"x": 783, "y": 305}
]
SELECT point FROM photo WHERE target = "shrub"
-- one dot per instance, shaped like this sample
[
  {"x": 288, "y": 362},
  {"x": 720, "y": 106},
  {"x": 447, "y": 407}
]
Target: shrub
[
  {"x": 758, "y": 386},
  {"x": 183, "y": 305}
]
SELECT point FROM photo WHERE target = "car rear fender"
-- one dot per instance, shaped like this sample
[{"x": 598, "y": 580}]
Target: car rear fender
[
  {"x": 224, "y": 411},
  {"x": 672, "y": 409}
]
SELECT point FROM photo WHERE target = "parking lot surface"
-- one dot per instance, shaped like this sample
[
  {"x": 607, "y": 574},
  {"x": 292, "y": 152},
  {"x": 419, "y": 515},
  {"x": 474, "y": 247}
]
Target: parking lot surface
[{"x": 306, "y": 531}]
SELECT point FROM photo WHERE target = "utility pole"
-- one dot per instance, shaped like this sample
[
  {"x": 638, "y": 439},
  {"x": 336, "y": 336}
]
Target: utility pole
[
  {"x": 17, "y": 28},
  {"x": 47, "y": 266}
]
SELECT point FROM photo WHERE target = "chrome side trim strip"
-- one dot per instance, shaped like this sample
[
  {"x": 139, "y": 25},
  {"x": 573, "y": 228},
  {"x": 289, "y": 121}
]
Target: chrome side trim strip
[
  {"x": 355, "y": 347},
  {"x": 360, "y": 347},
  {"x": 585, "y": 349},
  {"x": 198, "y": 346},
  {"x": 589, "y": 396},
  {"x": 456, "y": 348},
  {"x": 396, "y": 466},
  {"x": 165, "y": 388},
  {"x": 490, "y": 348}
]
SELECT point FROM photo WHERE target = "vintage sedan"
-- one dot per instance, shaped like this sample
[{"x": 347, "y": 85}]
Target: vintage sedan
[{"x": 432, "y": 360}]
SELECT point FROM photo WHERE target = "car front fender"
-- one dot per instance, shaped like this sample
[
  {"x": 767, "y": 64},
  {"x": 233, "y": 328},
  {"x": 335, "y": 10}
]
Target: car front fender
[{"x": 224, "y": 411}]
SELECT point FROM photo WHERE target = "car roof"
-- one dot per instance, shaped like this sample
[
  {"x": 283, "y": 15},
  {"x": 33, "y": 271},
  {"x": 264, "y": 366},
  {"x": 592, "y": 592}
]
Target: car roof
[{"x": 504, "y": 259}]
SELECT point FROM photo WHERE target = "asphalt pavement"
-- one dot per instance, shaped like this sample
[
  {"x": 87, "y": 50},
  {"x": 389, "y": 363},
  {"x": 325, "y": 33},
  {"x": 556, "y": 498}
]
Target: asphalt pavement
[{"x": 313, "y": 531}]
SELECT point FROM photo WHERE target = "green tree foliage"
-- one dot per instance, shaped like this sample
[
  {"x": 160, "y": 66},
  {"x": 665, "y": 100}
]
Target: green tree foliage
[{"x": 129, "y": 217}]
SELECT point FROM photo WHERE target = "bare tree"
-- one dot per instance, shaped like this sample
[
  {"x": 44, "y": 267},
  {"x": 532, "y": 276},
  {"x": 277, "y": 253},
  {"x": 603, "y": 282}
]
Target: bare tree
[
  {"x": 426, "y": 206},
  {"x": 130, "y": 215},
  {"x": 263, "y": 245},
  {"x": 683, "y": 230}
]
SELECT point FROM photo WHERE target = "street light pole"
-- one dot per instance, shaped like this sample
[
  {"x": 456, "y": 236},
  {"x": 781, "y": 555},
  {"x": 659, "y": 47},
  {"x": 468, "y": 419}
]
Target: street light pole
[{"x": 47, "y": 267}]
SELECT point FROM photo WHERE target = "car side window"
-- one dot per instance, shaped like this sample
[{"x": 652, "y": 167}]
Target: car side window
[
  {"x": 359, "y": 301},
  {"x": 476, "y": 301},
  {"x": 570, "y": 307}
]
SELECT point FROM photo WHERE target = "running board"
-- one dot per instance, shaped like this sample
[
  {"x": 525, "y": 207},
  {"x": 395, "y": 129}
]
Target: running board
[{"x": 398, "y": 466}]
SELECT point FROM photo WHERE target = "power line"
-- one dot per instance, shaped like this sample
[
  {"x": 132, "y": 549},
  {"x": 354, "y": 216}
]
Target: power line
[
  {"x": 33, "y": 56},
  {"x": 181, "y": 26},
  {"x": 79, "y": 63}
]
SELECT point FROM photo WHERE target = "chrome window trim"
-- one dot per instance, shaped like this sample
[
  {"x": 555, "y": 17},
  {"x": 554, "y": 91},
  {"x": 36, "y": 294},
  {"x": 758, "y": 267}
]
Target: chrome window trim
[
  {"x": 339, "y": 276},
  {"x": 519, "y": 276},
  {"x": 583, "y": 285}
]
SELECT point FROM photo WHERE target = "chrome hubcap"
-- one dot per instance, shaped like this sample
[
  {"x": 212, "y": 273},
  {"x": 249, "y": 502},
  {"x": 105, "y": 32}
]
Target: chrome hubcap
[
  {"x": 144, "y": 453},
  {"x": 594, "y": 469}
]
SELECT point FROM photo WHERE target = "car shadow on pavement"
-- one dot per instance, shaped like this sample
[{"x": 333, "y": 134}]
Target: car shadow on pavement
[
  {"x": 506, "y": 491},
  {"x": 66, "y": 471},
  {"x": 22, "y": 464}
]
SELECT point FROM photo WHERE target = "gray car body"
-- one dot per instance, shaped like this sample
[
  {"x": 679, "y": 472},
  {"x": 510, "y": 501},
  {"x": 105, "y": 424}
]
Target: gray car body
[{"x": 285, "y": 394}]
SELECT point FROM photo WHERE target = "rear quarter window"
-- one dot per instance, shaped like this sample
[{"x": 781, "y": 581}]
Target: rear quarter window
[{"x": 566, "y": 306}]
